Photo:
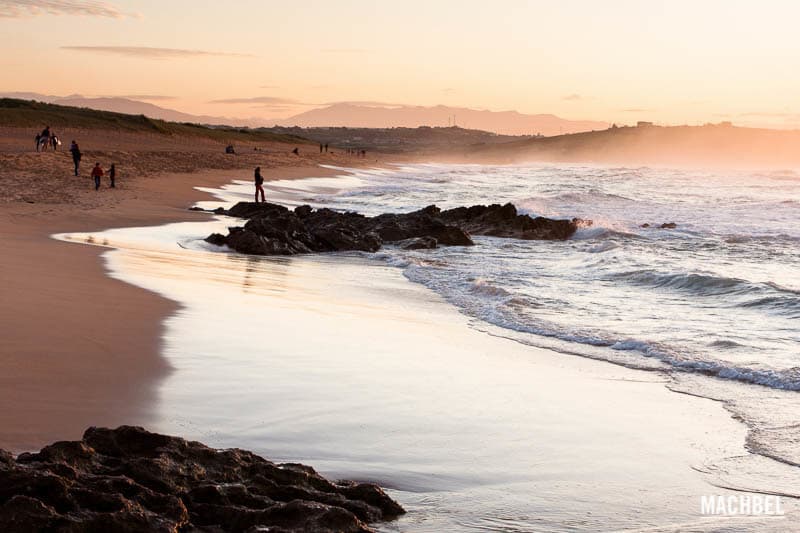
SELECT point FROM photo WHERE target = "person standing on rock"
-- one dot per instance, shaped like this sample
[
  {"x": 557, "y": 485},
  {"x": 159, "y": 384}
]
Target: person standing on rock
[
  {"x": 259, "y": 185},
  {"x": 97, "y": 173},
  {"x": 76, "y": 155}
]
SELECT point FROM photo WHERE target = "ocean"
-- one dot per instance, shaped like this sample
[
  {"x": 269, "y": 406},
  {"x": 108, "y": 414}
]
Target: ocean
[
  {"x": 714, "y": 303},
  {"x": 337, "y": 360}
]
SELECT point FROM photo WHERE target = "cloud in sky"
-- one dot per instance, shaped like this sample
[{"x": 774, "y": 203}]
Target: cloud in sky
[
  {"x": 150, "y": 97},
  {"x": 274, "y": 107},
  {"x": 771, "y": 114},
  {"x": 368, "y": 103},
  {"x": 148, "y": 52},
  {"x": 636, "y": 110},
  {"x": 345, "y": 50},
  {"x": 572, "y": 97},
  {"x": 264, "y": 100},
  {"x": 34, "y": 8}
]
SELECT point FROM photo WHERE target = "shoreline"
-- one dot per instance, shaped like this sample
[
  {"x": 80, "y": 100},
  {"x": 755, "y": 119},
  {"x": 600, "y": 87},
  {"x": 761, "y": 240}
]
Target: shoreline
[
  {"x": 130, "y": 397},
  {"x": 101, "y": 364},
  {"x": 385, "y": 390}
]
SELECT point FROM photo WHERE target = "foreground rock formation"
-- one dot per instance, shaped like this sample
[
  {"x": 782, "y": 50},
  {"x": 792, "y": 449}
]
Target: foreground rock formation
[
  {"x": 128, "y": 479},
  {"x": 275, "y": 230}
]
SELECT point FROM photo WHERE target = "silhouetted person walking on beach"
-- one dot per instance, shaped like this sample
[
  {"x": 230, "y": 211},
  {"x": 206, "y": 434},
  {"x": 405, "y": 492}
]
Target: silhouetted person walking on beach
[
  {"x": 259, "y": 185},
  {"x": 44, "y": 138},
  {"x": 97, "y": 173},
  {"x": 320, "y": 148},
  {"x": 112, "y": 175},
  {"x": 76, "y": 155}
]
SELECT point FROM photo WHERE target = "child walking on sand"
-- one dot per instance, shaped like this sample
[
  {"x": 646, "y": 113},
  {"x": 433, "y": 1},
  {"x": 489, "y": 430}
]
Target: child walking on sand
[{"x": 97, "y": 173}]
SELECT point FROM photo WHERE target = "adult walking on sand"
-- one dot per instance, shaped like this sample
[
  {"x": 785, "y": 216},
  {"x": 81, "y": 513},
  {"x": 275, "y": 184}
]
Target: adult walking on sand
[
  {"x": 97, "y": 173},
  {"x": 112, "y": 175},
  {"x": 259, "y": 179},
  {"x": 76, "y": 155},
  {"x": 44, "y": 138}
]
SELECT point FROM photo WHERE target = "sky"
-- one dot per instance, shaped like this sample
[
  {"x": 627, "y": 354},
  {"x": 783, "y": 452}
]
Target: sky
[{"x": 672, "y": 62}]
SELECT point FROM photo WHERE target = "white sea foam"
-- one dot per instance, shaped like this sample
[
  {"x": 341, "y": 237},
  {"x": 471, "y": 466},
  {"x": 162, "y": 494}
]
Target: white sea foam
[{"x": 717, "y": 296}]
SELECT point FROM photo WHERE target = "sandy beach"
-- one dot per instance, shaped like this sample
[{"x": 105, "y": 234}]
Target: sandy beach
[
  {"x": 80, "y": 348},
  {"x": 424, "y": 275},
  {"x": 335, "y": 361},
  {"x": 340, "y": 362}
]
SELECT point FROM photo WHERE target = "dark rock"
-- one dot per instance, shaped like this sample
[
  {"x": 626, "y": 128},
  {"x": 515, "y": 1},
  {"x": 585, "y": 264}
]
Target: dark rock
[
  {"x": 303, "y": 211},
  {"x": 371, "y": 494},
  {"x": 420, "y": 243},
  {"x": 422, "y": 223},
  {"x": 195, "y": 208},
  {"x": 503, "y": 221},
  {"x": 645, "y": 225},
  {"x": 669, "y": 225},
  {"x": 26, "y": 514},
  {"x": 274, "y": 230},
  {"x": 131, "y": 480},
  {"x": 217, "y": 238},
  {"x": 249, "y": 242},
  {"x": 583, "y": 222},
  {"x": 219, "y": 211},
  {"x": 253, "y": 209}
]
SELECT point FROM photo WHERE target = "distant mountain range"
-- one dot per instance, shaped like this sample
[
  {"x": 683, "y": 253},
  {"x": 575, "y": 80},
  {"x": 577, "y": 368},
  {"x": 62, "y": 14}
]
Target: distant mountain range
[
  {"x": 374, "y": 116},
  {"x": 344, "y": 115}
]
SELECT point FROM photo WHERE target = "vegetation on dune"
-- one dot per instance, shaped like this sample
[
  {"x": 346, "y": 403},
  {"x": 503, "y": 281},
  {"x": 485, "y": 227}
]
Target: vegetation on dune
[{"x": 32, "y": 114}]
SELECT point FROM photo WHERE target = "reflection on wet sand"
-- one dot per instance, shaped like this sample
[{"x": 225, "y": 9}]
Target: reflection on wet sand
[{"x": 339, "y": 362}]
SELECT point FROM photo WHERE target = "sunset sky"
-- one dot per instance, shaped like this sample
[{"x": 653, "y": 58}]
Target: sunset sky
[{"x": 619, "y": 60}]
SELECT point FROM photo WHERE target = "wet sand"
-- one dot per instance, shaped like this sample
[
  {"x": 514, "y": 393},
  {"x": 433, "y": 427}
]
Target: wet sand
[
  {"x": 80, "y": 348},
  {"x": 372, "y": 377},
  {"x": 340, "y": 362}
]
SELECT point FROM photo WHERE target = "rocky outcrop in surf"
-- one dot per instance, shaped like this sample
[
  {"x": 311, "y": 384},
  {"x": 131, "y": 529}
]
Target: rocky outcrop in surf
[
  {"x": 128, "y": 479},
  {"x": 275, "y": 230}
]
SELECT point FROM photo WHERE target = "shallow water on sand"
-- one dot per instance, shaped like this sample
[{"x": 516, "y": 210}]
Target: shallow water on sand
[
  {"x": 717, "y": 295},
  {"x": 338, "y": 361}
]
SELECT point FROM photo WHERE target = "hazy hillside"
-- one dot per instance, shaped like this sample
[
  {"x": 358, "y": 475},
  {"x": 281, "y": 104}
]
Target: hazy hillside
[
  {"x": 130, "y": 107},
  {"x": 36, "y": 115},
  {"x": 503, "y": 122},
  {"x": 716, "y": 145},
  {"x": 423, "y": 139}
]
